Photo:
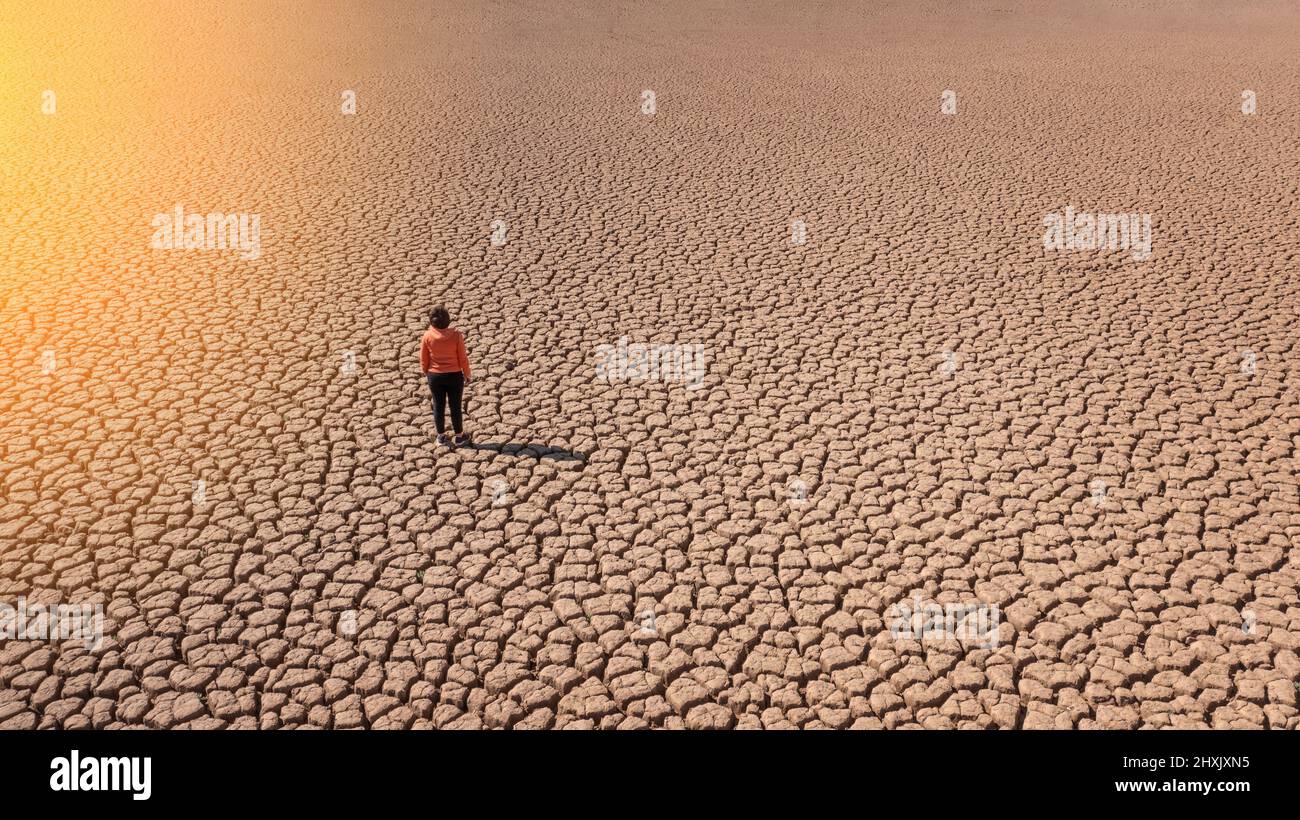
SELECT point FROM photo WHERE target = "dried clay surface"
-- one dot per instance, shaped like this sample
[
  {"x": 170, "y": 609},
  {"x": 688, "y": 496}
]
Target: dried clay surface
[{"x": 904, "y": 394}]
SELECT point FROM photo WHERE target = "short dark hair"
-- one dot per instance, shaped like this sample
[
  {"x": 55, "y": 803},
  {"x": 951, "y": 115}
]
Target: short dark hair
[{"x": 440, "y": 318}]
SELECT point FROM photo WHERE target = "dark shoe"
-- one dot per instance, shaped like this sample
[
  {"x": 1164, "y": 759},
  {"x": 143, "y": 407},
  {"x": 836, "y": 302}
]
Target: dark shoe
[
  {"x": 442, "y": 440},
  {"x": 461, "y": 439}
]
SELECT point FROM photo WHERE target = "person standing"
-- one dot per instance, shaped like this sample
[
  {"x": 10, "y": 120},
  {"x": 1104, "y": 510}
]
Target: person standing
[{"x": 446, "y": 367}]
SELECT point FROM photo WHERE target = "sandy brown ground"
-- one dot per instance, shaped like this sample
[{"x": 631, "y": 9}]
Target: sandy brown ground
[{"x": 1173, "y": 602}]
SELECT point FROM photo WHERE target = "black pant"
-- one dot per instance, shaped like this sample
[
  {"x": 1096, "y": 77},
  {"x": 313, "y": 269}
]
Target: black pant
[{"x": 447, "y": 387}]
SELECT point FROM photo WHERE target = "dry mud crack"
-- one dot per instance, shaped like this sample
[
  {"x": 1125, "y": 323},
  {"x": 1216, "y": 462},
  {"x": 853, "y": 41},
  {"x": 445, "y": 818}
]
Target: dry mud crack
[{"x": 922, "y": 403}]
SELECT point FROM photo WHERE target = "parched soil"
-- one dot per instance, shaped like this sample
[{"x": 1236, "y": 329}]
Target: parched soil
[{"x": 919, "y": 403}]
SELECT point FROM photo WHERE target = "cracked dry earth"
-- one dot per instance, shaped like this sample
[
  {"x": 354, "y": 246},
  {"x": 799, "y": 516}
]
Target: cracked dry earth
[{"x": 336, "y": 570}]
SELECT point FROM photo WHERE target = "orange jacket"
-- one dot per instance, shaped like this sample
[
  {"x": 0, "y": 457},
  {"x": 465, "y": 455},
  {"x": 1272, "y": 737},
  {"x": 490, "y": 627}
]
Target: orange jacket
[{"x": 443, "y": 351}]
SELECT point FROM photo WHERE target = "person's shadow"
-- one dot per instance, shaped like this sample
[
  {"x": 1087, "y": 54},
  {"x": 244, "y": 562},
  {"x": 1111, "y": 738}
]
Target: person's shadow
[{"x": 534, "y": 449}]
